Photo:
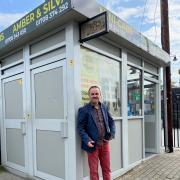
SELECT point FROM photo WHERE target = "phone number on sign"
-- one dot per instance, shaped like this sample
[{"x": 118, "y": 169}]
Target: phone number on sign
[
  {"x": 58, "y": 10},
  {"x": 52, "y": 14}
]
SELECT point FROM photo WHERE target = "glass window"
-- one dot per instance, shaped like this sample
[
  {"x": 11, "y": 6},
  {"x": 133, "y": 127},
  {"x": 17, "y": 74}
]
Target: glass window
[
  {"x": 134, "y": 91},
  {"x": 149, "y": 98},
  {"x": 146, "y": 74},
  {"x": 49, "y": 94},
  {"x": 133, "y": 59},
  {"x": 13, "y": 101},
  {"x": 150, "y": 67},
  {"x": 97, "y": 69}
]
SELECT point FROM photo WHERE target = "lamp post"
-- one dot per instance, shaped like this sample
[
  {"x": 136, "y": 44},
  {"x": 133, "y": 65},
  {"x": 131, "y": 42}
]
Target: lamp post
[{"x": 167, "y": 77}]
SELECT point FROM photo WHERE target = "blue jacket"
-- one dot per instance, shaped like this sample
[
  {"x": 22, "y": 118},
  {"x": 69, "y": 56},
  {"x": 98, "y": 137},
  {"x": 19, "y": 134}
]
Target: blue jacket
[{"x": 87, "y": 127}]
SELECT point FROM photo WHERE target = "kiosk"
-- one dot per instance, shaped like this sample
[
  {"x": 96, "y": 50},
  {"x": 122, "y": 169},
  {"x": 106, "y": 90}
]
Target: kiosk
[{"x": 48, "y": 60}]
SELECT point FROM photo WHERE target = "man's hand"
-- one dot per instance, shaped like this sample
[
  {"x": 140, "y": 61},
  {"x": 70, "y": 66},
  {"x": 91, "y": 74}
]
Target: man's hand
[{"x": 90, "y": 144}]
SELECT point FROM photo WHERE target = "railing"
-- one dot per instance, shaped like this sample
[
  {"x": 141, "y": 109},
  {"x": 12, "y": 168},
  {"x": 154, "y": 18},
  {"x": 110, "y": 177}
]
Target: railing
[{"x": 176, "y": 125}]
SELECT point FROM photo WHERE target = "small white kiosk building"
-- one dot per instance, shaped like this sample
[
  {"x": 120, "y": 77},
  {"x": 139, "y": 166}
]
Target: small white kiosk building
[{"x": 46, "y": 67}]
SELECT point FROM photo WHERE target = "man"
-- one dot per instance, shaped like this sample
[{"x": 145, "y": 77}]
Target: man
[{"x": 96, "y": 127}]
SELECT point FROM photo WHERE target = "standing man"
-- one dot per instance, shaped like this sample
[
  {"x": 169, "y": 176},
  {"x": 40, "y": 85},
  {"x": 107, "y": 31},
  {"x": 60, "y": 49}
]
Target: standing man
[{"x": 96, "y": 127}]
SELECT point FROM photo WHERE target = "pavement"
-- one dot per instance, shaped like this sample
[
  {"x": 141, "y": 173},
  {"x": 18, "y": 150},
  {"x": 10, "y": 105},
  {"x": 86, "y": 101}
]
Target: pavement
[
  {"x": 164, "y": 166},
  {"x": 4, "y": 175}
]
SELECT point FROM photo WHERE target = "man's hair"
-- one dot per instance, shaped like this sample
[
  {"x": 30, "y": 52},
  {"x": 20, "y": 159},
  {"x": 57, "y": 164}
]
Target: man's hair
[{"x": 94, "y": 86}]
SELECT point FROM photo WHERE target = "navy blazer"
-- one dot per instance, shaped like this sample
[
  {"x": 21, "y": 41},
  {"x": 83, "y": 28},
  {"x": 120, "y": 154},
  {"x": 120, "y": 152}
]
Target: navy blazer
[{"x": 88, "y": 129}]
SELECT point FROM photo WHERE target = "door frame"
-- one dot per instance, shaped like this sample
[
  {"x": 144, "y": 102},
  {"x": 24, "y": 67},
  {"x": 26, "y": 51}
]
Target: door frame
[
  {"x": 157, "y": 123},
  {"x": 20, "y": 124},
  {"x": 37, "y": 124}
]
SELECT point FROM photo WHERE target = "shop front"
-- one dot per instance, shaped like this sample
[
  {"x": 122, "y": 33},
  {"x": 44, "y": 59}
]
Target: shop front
[{"x": 45, "y": 73}]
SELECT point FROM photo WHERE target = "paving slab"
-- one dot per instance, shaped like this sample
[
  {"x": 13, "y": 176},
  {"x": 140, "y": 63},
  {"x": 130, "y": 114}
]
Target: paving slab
[
  {"x": 4, "y": 175},
  {"x": 165, "y": 166}
]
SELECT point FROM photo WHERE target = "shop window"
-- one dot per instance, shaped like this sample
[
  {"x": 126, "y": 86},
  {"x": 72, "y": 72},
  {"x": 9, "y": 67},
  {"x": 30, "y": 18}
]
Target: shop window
[
  {"x": 97, "y": 69},
  {"x": 134, "y": 92},
  {"x": 151, "y": 67},
  {"x": 50, "y": 41},
  {"x": 146, "y": 74},
  {"x": 133, "y": 59},
  {"x": 149, "y": 98},
  {"x": 13, "y": 58}
]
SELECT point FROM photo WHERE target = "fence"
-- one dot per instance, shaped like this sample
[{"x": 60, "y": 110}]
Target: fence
[{"x": 176, "y": 125}]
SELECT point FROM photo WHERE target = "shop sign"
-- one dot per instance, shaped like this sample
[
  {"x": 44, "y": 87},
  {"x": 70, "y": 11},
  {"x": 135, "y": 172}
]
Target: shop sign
[
  {"x": 46, "y": 12},
  {"x": 94, "y": 27}
]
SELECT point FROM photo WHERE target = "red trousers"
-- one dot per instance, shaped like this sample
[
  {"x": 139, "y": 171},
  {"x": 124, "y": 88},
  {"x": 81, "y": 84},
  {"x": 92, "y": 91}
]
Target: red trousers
[{"x": 102, "y": 154}]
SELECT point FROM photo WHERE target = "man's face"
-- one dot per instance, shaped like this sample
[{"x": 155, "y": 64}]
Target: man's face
[{"x": 94, "y": 95}]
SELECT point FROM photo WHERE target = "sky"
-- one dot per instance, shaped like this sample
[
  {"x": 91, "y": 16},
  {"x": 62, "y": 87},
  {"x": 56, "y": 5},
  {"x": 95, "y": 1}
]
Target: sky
[{"x": 142, "y": 15}]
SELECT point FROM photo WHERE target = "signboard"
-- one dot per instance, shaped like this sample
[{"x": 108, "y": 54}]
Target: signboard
[
  {"x": 46, "y": 12},
  {"x": 124, "y": 30},
  {"x": 93, "y": 27}
]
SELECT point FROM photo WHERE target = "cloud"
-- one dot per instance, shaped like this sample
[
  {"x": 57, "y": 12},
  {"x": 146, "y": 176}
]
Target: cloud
[
  {"x": 112, "y": 4},
  {"x": 174, "y": 19},
  {"x": 152, "y": 11},
  {"x": 7, "y": 19},
  {"x": 127, "y": 13},
  {"x": 154, "y": 32},
  {"x": 124, "y": 13}
]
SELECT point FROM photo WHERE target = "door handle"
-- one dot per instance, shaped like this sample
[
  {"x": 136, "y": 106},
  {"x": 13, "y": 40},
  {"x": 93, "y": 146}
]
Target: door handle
[{"x": 23, "y": 128}]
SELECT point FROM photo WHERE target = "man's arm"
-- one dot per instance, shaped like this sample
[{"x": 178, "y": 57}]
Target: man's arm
[{"x": 81, "y": 125}]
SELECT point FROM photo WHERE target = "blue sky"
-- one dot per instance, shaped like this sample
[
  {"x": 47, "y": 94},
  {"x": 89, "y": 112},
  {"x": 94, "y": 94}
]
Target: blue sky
[
  {"x": 143, "y": 15},
  {"x": 12, "y": 10},
  {"x": 16, "y": 6},
  {"x": 130, "y": 10}
]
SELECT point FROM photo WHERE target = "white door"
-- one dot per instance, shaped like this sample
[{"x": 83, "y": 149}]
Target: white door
[
  {"x": 150, "y": 116},
  {"x": 14, "y": 122},
  {"x": 49, "y": 121}
]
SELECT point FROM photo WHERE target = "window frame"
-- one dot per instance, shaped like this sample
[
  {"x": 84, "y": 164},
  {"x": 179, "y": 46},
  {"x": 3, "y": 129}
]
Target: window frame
[{"x": 141, "y": 89}]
